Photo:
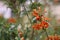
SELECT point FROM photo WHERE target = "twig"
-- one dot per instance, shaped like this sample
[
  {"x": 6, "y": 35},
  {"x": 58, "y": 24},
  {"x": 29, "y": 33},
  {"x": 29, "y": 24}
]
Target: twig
[
  {"x": 30, "y": 22},
  {"x": 46, "y": 33}
]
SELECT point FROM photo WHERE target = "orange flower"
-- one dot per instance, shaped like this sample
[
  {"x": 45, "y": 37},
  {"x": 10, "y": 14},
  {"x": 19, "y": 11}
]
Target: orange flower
[
  {"x": 37, "y": 17},
  {"x": 36, "y": 27},
  {"x": 35, "y": 12},
  {"x": 53, "y": 37},
  {"x": 40, "y": 26},
  {"x": 12, "y": 20},
  {"x": 56, "y": 37},
  {"x": 44, "y": 24}
]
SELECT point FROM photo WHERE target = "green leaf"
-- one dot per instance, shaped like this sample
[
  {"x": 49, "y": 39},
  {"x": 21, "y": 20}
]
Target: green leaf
[
  {"x": 22, "y": 1},
  {"x": 35, "y": 5}
]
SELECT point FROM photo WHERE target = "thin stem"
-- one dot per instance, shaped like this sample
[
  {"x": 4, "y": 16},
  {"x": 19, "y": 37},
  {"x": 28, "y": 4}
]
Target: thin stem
[
  {"x": 30, "y": 22},
  {"x": 27, "y": 14},
  {"x": 46, "y": 33}
]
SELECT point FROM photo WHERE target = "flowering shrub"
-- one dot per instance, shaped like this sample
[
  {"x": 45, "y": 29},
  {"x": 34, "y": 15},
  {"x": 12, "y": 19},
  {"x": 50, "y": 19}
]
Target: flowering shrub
[
  {"x": 27, "y": 23},
  {"x": 41, "y": 19}
]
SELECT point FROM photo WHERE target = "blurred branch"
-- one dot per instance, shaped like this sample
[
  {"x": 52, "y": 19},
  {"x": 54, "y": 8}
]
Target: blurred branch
[{"x": 30, "y": 22}]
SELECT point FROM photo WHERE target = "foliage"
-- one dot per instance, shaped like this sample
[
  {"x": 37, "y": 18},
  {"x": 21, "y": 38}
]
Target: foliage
[{"x": 33, "y": 25}]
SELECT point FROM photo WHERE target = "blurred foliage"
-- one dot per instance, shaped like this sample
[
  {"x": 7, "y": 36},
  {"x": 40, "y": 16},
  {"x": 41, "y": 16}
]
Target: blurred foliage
[
  {"x": 22, "y": 1},
  {"x": 7, "y": 32},
  {"x": 35, "y": 5}
]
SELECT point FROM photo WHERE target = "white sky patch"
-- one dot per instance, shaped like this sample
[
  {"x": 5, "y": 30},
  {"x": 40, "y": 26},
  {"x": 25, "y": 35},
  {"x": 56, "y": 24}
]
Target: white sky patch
[
  {"x": 56, "y": 11},
  {"x": 5, "y": 11}
]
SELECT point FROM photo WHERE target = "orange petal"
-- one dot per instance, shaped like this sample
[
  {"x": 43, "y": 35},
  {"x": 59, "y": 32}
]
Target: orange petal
[
  {"x": 12, "y": 20},
  {"x": 37, "y": 17}
]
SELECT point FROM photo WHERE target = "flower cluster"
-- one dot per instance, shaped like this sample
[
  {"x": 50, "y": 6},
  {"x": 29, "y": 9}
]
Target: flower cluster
[
  {"x": 35, "y": 13},
  {"x": 42, "y": 19},
  {"x": 12, "y": 20},
  {"x": 56, "y": 37},
  {"x": 41, "y": 25}
]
